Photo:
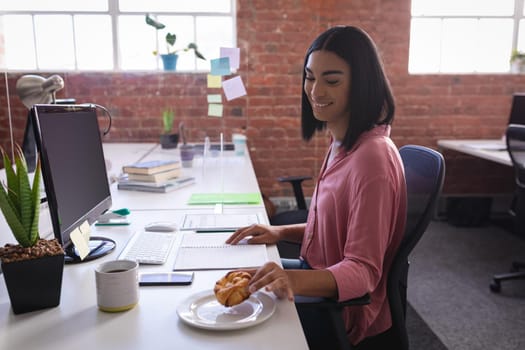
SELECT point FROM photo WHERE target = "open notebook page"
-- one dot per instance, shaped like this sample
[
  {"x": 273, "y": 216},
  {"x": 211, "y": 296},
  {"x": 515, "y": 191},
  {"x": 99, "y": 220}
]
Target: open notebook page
[{"x": 207, "y": 251}]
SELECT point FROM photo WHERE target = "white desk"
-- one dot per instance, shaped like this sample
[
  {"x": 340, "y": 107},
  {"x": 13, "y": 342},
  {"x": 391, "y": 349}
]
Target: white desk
[
  {"x": 153, "y": 324},
  {"x": 229, "y": 174},
  {"x": 493, "y": 150}
]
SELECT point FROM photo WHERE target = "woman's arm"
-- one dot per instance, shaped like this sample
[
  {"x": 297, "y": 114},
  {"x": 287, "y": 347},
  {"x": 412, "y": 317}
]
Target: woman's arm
[
  {"x": 268, "y": 234},
  {"x": 287, "y": 283}
]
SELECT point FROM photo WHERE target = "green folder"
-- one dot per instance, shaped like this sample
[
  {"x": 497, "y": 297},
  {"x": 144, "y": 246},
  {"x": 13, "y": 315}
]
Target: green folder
[{"x": 225, "y": 198}]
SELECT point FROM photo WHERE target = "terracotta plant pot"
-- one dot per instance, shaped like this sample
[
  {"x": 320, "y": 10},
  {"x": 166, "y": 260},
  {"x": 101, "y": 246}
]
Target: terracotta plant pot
[{"x": 34, "y": 284}]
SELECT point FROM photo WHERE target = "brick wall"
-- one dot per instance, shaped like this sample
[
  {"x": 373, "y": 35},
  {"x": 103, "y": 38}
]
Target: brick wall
[{"x": 273, "y": 36}]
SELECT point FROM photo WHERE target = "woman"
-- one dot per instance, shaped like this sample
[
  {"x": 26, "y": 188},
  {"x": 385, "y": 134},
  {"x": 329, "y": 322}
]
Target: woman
[{"x": 358, "y": 210}]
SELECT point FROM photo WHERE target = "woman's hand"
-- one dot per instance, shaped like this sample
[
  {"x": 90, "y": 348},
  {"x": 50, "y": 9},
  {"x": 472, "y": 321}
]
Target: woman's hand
[
  {"x": 274, "y": 279},
  {"x": 260, "y": 234}
]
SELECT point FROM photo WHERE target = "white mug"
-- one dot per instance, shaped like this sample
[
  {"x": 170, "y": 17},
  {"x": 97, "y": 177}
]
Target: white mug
[{"x": 117, "y": 285}]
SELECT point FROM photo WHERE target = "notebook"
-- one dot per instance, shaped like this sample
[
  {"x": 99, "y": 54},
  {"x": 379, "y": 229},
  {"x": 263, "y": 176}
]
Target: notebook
[
  {"x": 219, "y": 222},
  {"x": 209, "y": 252}
]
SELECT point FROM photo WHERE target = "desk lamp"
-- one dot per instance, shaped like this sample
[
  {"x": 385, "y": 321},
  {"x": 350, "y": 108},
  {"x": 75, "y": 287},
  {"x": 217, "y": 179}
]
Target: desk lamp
[{"x": 34, "y": 89}]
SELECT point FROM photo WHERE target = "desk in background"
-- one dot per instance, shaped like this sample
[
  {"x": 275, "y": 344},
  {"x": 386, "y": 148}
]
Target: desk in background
[
  {"x": 493, "y": 150},
  {"x": 153, "y": 323}
]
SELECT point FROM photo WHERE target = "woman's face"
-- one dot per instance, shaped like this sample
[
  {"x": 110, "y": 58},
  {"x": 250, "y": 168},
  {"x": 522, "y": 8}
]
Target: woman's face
[{"x": 327, "y": 86}]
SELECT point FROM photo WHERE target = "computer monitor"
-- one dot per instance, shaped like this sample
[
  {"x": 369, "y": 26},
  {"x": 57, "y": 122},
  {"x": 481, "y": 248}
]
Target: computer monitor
[
  {"x": 74, "y": 172},
  {"x": 517, "y": 110},
  {"x": 29, "y": 144}
]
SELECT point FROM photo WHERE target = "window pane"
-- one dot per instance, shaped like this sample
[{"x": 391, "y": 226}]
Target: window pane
[
  {"x": 212, "y": 34},
  {"x": 494, "y": 40},
  {"x": 425, "y": 42},
  {"x": 93, "y": 42},
  {"x": 54, "y": 41},
  {"x": 223, "y": 6},
  {"x": 137, "y": 43},
  {"x": 521, "y": 36},
  {"x": 462, "y": 7},
  {"x": 54, "y": 5},
  {"x": 458, "y": 47},
  {"x": 19, "y": 49}
]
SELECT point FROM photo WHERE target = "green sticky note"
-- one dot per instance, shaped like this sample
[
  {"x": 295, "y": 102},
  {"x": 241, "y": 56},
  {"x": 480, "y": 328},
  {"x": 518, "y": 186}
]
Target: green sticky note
[
  {"x": 214, "y": 98},
  {"x": 215, "y": 109},
  {"x": 225, "y": 198}
]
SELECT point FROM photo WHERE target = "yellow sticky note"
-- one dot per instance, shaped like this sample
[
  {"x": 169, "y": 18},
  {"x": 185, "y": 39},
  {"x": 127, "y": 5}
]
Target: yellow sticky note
[
  {"x": 215, "y": 109},
  {"x": 80, "y": 237},
  {"x": 214, "y": 81}
]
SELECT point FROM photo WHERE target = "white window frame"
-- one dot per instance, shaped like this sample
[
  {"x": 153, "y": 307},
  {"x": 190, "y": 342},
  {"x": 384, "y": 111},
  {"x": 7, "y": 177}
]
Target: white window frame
[
  {"x": 517, "y": 16},
  {"x": 114, "y": 12}
]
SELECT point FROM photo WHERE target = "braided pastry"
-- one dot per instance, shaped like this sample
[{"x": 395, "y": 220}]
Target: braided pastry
[{"x": 232, "y": 289}]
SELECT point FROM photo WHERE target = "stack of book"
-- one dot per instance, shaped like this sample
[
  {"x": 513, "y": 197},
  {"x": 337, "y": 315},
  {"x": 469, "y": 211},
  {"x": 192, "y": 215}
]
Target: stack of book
[{"x": 153, "y": 176}]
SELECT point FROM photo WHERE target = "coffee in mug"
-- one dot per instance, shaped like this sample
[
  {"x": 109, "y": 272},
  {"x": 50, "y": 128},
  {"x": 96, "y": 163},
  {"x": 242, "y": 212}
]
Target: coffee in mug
[{"x": 117, "y": 285}]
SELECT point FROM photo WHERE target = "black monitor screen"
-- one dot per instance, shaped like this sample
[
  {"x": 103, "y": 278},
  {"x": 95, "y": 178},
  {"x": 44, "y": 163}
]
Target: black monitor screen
[
  {"x": 517, "y": 111},
  {"x": 73, "y": 166}
]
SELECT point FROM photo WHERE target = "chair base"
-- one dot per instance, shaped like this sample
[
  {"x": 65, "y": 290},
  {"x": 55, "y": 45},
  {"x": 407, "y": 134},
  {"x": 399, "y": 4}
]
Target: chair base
[{"x": 514, "y": 274}]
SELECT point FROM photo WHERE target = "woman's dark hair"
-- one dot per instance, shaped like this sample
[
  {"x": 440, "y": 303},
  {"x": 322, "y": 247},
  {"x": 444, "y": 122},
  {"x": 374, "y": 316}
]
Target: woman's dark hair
[{"x": 371, "y": 100}]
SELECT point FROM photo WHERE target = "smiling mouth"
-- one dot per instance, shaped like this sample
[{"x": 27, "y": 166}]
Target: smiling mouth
[{"x": 321, "y": 105}]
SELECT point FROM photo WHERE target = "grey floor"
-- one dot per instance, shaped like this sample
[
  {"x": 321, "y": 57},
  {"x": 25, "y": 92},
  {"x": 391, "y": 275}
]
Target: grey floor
[{"x": 451, "y": 269}]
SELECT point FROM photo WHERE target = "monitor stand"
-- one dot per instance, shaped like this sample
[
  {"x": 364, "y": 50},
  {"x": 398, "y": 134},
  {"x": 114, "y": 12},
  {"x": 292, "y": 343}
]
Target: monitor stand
[{"x": 98, "y": 247}]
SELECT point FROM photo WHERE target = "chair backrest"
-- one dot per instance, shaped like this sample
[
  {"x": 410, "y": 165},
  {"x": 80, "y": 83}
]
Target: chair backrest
[
  {"x": 424, "y": 173},
  {"x": 515, "y": 138}
]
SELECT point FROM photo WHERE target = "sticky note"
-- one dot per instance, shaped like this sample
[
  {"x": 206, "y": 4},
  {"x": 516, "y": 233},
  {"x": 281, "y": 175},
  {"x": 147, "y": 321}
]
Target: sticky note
[
  {"x": 220, "y": 66},
  {"x": 225, "y": 198},
  {"x": 214, "y": 81},
  {"x": 214, "y": 98},
  {"x": 80, "y": 237},
  {"x": 233, "y": 53},
  {"x": 233, "y": 88},
  {"x": 215, "y": 109}
]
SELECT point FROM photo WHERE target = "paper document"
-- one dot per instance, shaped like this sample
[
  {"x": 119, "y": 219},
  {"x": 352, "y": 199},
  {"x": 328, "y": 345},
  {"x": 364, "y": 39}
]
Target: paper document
[
  {"x": 207, "y": 251},
  {"x": 219, "y": 222}
]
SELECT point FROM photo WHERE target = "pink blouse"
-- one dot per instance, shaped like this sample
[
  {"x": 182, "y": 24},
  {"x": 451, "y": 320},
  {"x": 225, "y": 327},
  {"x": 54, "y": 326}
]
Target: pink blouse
[{"x": 355, "y": 224}]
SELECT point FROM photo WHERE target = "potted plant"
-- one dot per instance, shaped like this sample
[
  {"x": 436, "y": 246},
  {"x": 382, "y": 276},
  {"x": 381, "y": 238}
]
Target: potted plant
[
  {"x": 32, "y": 268},
  {"x": 517, "y": 61},
  {"x": 167, "y": 138},
  {"x": 169, "y": 59}
]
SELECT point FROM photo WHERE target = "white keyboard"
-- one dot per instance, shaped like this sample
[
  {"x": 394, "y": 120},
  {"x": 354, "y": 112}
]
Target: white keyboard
[{"x": 148, "y": 247}]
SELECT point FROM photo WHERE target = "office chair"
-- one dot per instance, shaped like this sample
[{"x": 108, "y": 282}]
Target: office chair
[
  {"x": 425, "y": 173},
  {"x": 515, "y": 138},
  {"x": 287, "y": 249}
]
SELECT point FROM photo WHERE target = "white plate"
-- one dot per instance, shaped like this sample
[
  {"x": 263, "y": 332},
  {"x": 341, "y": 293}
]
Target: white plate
[{"x": 202, "y": 310}]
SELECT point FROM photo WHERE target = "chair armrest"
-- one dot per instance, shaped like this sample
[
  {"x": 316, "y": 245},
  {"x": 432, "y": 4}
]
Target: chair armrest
[
  {"x": 330, "y": 303},
  {"x": 296, "y": 182},
  {"x": 293, "y": 178}
]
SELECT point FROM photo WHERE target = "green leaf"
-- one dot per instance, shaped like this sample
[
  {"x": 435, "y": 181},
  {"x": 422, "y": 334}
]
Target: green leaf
[
  {"x": 12, "y": 219},
  {"x": 199, "y": 55},
  {"x": 35, "y": 201},
  {"x": 154, "y": 23},
  {"x": 171, "y": 38},
  {"x": 26, "y": 205},
  {"x": 12, "y": 181},
  {"x": 196, "y": 51}
]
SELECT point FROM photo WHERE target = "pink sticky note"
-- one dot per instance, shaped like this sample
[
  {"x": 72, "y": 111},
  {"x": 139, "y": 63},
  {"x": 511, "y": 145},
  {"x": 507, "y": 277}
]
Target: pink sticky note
[
  {"x": 233, "y": 88},
  {"x": 233, "y": 53}
]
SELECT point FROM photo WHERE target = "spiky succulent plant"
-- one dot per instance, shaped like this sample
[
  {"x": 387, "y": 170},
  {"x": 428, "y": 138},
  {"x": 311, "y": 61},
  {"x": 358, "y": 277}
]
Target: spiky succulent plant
[{"x": 19, "y": 201}]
